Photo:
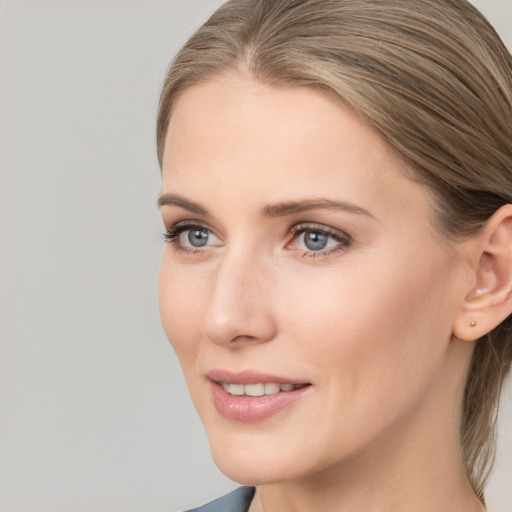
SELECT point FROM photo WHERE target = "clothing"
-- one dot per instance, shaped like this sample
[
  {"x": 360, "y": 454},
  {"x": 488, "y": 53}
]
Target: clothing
[{"x": 237, "y": 501}]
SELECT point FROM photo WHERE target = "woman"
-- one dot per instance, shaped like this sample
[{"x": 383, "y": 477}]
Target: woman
[{"x": 337, "y": 189}]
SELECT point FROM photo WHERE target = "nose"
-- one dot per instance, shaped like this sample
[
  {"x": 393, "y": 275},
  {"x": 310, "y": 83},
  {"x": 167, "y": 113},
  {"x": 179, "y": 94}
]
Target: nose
[{"x": 240, "y": 307}]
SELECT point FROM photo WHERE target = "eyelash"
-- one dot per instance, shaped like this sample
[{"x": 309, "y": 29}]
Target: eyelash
[
  {"x": 343, "y": 239},
  {"x": 172, "y": 235}
]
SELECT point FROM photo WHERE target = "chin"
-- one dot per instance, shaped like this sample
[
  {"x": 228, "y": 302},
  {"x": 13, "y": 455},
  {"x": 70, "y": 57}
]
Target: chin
[
  {"x": 244, "y": 459},
  {"x": 248, "y": 470},
  {"x": 259, "y": 456}
]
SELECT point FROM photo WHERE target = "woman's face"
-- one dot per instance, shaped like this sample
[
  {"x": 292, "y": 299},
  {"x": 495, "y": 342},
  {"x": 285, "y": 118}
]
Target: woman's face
[{"x": 303, "y": 264}]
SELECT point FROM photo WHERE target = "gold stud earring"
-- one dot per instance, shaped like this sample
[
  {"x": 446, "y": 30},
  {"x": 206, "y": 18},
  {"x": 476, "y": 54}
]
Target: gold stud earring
[{"x": 473, "y": 324}]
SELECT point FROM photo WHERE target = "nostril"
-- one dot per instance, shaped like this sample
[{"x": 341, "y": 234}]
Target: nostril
[
  {"x": 242, "y": 337},
  {"x": 258, "y": 328}
]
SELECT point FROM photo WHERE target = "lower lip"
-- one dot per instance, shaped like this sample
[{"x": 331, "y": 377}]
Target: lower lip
[{"x": 255, "y": 408}]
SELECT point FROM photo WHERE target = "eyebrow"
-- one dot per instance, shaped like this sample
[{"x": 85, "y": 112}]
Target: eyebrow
[
  {"x": 181, "y": 202},
  {"x": 270, "y": 210},
  {"x": 289, "y": 208}
]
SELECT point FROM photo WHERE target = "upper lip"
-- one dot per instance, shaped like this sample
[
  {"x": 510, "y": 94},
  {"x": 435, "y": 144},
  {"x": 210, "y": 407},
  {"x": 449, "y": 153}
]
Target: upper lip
[{"x": 250, "y": 377}]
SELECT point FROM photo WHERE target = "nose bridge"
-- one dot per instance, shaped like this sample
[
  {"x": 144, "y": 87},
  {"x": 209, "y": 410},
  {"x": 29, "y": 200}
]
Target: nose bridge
[{"x": 240, "y": 303}]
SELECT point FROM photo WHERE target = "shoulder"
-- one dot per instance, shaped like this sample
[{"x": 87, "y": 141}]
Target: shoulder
[{"x": 236, "y": 501}]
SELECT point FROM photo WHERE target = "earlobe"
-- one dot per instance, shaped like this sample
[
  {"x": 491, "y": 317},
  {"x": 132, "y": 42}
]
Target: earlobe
[{"x": 489, "y": 301}]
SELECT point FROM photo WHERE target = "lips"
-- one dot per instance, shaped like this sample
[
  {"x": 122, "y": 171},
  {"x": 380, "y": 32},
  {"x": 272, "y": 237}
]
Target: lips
[{"x": 251, "y": 397}]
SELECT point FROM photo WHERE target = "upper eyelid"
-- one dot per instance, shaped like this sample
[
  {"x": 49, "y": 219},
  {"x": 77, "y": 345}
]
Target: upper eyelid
[
  {"x": 295, "y": 227},
  {"x": 312, "y": 225},
  {"x": 189, "y": 222},
  {"x": 305, "y": 226},
  {"x": 184, "y": 225},
  {"x": 298, "y": 228}
]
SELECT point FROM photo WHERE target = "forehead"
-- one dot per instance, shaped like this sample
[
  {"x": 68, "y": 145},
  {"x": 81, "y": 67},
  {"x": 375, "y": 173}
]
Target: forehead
[
  {"x": 238, "y": 100},
  {"x": 247, "y": 138},
  {"x": 233, "y": 112}
]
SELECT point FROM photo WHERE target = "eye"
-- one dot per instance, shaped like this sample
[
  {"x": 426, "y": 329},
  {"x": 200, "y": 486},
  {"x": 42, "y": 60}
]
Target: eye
[
  {"x": 314, "y": 240},
  {"x": 195, "y": 237},
  {"x": 190, "y": 237}
]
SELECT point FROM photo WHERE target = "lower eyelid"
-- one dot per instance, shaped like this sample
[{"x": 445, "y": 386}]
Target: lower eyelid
[{"x": 321, "y": 254}]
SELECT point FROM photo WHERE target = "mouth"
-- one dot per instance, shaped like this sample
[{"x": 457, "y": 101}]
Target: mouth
[
  {"x": 259, "y": 389},
  {"x": 248, "y": 397}
]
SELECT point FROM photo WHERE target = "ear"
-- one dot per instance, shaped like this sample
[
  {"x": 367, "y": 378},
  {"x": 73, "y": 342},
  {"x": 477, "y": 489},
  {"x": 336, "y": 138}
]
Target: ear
[{"x": 489, "y": 301}]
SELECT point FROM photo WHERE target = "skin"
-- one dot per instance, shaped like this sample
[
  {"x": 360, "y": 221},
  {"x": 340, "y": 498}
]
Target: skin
[{"x": 368, "y": 321}]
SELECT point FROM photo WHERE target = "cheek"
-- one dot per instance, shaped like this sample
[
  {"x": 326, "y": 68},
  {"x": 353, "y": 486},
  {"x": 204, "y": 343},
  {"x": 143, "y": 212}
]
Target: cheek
[
  {"x": 374, "y": 337},
  {"x": 181, "y": 299}
]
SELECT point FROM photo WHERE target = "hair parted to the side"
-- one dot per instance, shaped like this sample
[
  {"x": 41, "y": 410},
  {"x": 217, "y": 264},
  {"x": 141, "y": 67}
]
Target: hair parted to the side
[{"x": 432, "y": 77}]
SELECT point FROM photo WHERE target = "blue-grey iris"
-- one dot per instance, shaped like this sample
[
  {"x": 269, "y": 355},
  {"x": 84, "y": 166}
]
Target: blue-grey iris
[
  {"x": 198, "y": 237},
  {"x": 315, "y": 241}
]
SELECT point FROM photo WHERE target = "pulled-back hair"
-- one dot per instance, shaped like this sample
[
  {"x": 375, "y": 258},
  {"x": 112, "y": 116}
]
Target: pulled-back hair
[{"x": 433, "y": 78}]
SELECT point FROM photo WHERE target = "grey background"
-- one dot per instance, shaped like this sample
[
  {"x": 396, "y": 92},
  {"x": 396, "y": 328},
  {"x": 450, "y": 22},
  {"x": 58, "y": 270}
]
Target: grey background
[{"x": 94, "y": 413}]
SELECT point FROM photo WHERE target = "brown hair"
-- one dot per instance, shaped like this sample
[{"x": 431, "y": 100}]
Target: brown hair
[{"x": 432, "y": 77}]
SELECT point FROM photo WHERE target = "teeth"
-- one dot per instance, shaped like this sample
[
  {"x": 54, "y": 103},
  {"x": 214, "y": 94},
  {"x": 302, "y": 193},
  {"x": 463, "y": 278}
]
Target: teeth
[
  {"x": 267, "y": 388},
  {"x": 271, "y": 388},
  {"x": 255, "y": 389},
  {"x": 236, "y": 389}
]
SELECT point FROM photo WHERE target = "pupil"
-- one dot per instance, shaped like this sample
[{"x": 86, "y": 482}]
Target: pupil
[
  {"x": 198, "y": 237},
  {"x": 315, "y": 241}
]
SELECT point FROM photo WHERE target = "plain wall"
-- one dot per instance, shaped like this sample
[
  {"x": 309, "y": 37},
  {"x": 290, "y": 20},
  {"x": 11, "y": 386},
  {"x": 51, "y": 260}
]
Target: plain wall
[{"x": 94, "y": 412}]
